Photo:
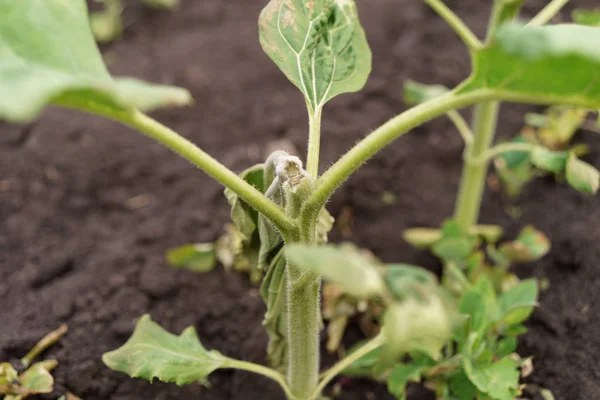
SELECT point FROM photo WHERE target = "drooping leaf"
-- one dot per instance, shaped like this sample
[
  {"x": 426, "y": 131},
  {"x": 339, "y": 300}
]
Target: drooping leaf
[
  {"x": 197, "y": 257},
  {"x": 417, "y": 93},
  {"x": 318, "y": 44},
  {"x": 560, "y": 125},
  {"x": 560, "y": 63},
  {"x": 37, "y": 379},
  {"x": 498, "y": 380},
  {"x": 517, "y": 303},
  {"x": 49, "y": 57},
  {"x": 417, "y": 325},
  {"x": 552, "y": 161},
  {"x": 530, "y": 245},
  {"x": 587, "y": 17},
  {"x": 582, "y": 176},
  {"x": 344, "y": 265},
  {"x": 399, "y": 378},
  {"x": 152, "y": 352}
]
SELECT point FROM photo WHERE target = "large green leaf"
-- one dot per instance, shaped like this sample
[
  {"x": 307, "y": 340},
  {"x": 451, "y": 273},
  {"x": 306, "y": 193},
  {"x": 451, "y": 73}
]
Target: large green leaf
[
  {"x": 499, "y": 380},
  {"x": 559, "y": 63},
  {"x": 319, "y": 45},
  {"x": 152, "y": 352},
  {"x": 48, "y": 56},
  {"x": 517, "y": 303}
]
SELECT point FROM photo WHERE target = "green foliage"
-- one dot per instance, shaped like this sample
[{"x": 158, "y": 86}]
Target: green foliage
[
  {"x": 417, "y": 93},
  {"x": 399, "y": 378},
  {"x": 152, "y": 352},
  {"x": 319, "y": 45},
  {"x": 196, "y": 257},
  {"x": 526, "y": 62},
  {"x": 587, "y": 17},
  {"x": 582, "y": 176},
  {"x": 64, "y": 68}
]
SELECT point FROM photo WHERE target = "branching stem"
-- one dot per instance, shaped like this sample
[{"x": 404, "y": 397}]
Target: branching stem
[
  {"x": 462, "y": 126},
  {"x": 461, "y": 29},
  {"x": 261, "y": 370},
  {"x": 488, "y": 155}
]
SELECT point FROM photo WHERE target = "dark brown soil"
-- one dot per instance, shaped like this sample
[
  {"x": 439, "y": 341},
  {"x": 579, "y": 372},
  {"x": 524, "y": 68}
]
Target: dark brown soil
[{"x": 88, "y": 208}]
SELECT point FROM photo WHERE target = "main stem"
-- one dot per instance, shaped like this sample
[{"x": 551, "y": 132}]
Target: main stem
[{"x": 474, "y": 175}]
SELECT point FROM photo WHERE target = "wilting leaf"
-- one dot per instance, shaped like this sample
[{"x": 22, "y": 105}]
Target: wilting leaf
[
  {"x": 587, "y": 17},
  {"x": 560, "y": 63},
  {"x": 417, "y": 93},
  {"x": 152, "y": 352},
  {"x": 499, "y": 380},
  {"x": 553, "y": 161},
  {"x": 197, "y": 257},
  {"x": 37, "y": 379},
  {"x": 49, "y": 57},
  {"x": 560, "y": 125},
  {"x": 7, "y": 374},
  {"x": 517, "y": 303},
  {"x": 344, "y": 265},
  {"x": 405, "y": 280},
  {"x": 530, "y": 245},
  {"x": 400, "y": 376},
  {"x": 582, "y": 176},
  {"x": 318, "y": 44},
  {"x": 417, "y": 325}
]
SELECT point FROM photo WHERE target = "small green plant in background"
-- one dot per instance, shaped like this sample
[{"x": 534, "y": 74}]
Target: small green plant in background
[
  {"x": 458, "y": 336},
  {"x": 34, "y": 378},
  {"x": 107, "y": 24}
]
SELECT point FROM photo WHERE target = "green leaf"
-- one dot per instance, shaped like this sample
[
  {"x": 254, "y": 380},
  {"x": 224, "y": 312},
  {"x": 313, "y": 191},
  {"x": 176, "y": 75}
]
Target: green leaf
[
  {"x": 455, "y": 245},
  {"x": 499, "y": 380},
  {"x": 530, "y": 245},
  {"x": 344, "y": 265},
  {"x": 197, "y": 257},
  {"x": 318, "y": 44},
  {"x": 473, "y": 304},
  {"x": 405, "y": 280},
  {"x": 506, "y": 347},
  {"x": 399, "y": 378},
  {"x": 49, "y": 57},
  {"x": 152, "y": 352},
  {"x": 558, "y": 63},
  {"x": 587, "y": 17},
  {"x": 461, "y": 386},
  {"x": 162, "y": 4},
  {"x": 517, "y": 303},
  {"x": 107, "y": 24},
  {"x": 7, "y": 374},
  {"x": 37, "y": 379},
  {"x": 365, "y": 365},
  {"x": 582, "y": 176},
  {"x": 417, "y": 93},
  {"x": 552, "y": 161}
]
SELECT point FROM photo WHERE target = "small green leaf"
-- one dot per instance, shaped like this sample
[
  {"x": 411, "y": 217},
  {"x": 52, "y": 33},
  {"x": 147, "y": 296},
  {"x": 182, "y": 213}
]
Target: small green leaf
[
  {"x": 63, "y": 67},
  {"x": 421, "y": 238},
  {"x": 399, "y": 378},
  {"x": 152, "y": 352},
  {"x": 506, "y": 347},
  {"x": 405, "y": 281},
  {"x": 587, "y": 17},
  {"x": 530, "y": 245},
  {"x": 417, "y": 93},
  {"x": 517, "y": 303},
  {"x": 455, "y": 245},
  {"x": 318, "y": 44},
  {"x": 7, "y": 374},
  {"x": 37, "y": 379},
  {"x": 461, "y": 386},
  {"x": 414, "y": 325},
  {"x": 558, "y": 62},
  {"x": 582, "y": 176},
  {"x": 344, "y": 265},
  {"x": 197, "y": 257},
  {"x": 552, "y": 161},
  {"x": 499, "y": 380},
  {"x": 474, "y": 305}
]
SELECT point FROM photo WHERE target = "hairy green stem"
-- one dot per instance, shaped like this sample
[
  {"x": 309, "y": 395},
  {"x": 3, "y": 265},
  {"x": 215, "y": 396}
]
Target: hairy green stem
[
  {"x": 188, "y": 150},
  {"x": 474, "y": 176},
  {"x": 461, "y": 29},
  {"x": 261, "y": 370},
  {"x": 304, "y": 324},
  {"x": 548, "y": 12},
  {"x": 332, "y": 372},
  {"x": 383, "y": 136},
  {"x": 314, "y": 143}
]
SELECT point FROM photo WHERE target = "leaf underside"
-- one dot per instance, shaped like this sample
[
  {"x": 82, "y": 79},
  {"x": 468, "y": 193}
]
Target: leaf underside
[
  {"x": 48, "y": 56},
  {"x": 152, "y": 352},
  {"x": 318, "y": 44},
  {"x": 557, "y": 63}
]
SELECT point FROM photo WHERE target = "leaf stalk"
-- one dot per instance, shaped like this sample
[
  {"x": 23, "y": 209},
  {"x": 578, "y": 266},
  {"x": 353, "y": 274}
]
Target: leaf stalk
[{"x": 459, "y": 27}]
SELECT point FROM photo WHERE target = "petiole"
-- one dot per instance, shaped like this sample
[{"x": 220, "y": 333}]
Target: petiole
[{"x": 461, "y": 29}]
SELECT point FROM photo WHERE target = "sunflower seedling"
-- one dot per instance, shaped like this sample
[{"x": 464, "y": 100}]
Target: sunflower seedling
[{"x": 321, "y": 47}]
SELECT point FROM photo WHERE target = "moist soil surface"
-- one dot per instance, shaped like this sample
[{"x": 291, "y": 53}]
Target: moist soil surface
[{"x": 88, "y": 208}]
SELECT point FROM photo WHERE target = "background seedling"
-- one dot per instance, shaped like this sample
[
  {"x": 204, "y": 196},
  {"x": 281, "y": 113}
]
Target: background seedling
[
  {"x": 322, "y": 49},
  {"x": 34, "y": 378}
]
